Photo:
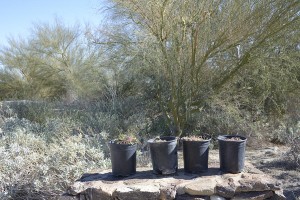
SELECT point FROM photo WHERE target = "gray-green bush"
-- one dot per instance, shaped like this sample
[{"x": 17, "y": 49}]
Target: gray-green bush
[{"x": 41, "y": 161}]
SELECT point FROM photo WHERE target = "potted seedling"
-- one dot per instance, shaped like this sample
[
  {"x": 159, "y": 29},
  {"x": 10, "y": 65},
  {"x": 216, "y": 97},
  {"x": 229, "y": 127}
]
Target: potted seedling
[
  {"x": 232, "y": 153},
  {"x": 123, "y": 155},
  {"x": 195, "y": 152},
  {"x": 163, "y": 152}
]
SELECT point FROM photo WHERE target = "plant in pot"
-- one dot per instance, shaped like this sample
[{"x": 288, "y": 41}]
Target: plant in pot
[
  {"x": 163, "y": 150},
  {"x": 195, "y": 152},
  {"x": 123, "y": 155},
  {"x": 232, "y": 153}
]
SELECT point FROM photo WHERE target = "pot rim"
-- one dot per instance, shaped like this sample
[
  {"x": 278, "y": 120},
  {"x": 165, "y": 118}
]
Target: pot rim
[
  {"x": 112, "y": 142},
  {"x": 168, "y": 139},
  {"x": 209, "y": 138},
  {"x": 224, "y": 137}
]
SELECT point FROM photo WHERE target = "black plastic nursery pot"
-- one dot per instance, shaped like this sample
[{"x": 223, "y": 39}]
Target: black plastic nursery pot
[
  {"x": 232, "y": 153},
  {"x": 164, "y": 155},
  {"x": 123, "y": 159},
  {"x": 195, "y": 156}
]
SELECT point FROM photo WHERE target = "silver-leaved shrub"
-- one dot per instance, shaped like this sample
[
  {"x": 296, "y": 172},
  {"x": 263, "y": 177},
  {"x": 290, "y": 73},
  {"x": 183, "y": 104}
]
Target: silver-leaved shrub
[{"x": 41, "y": 164}]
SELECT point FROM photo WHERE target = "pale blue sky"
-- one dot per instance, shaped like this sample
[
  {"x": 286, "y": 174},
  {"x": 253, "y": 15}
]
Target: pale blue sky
[{"x": 18, "y": 16}]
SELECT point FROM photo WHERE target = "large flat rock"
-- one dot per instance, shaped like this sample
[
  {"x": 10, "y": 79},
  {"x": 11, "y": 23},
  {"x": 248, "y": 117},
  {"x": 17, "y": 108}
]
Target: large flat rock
[{"x": 213, "y": 184}]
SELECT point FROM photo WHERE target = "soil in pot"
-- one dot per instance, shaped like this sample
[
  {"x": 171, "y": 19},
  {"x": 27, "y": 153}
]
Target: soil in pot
[
  {"x": 123, "y": 159},
  {"x": 164, "y": 156},
  {"x": 195, "y": 154},
  {"x": 232, "y": 153}
]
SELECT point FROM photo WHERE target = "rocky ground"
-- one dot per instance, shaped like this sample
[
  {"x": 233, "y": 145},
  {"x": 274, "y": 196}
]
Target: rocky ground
[{"x": 271, "y": 160}]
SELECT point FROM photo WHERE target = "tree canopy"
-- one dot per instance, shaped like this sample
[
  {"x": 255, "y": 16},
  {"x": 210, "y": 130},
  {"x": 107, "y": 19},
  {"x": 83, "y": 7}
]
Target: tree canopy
[
  {"x": 199, "y": 50},
  {"x": 54, "y": 61},
  {"x": 181, "y": 60}
]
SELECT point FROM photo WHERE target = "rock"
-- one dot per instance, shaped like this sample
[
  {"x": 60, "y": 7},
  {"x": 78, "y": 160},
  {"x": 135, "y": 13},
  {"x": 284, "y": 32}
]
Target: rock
[
  {"x": 249, "y": 168},
  {"x": 123, "y": 193},
  {"x": 146, "y": 188},
  {"x": 95, "y": 194},
  {"x": 227, "y": 185},
  {"x": 257, "y": 182},
  {"x": 146, "y": 185},
  {"x": 204, "y": 186},
  {"x": 82, "y": 197},
  {"x": 77, "y": 188},
  {"x": 271, "y": 151},
  {"x": 67, "y": 197},
  {"x": 215, "y": 197},
  {"x": 167, "y": 192},
  {"x": 137, "y": 192},
  {"x": 253, "y": 195},
  {"x": 278, "y": 195},
  {"x": 180, "y": 188},
  {"x": 189, "y": 197},
  {"x": 225, "y": 191}
]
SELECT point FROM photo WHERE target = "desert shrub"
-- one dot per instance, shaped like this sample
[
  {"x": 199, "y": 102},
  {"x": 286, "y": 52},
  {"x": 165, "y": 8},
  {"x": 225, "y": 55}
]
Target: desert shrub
[
  {"x": 288, "y": 135},
  {"x": 159, "y": 126},
  {"x": 219, "y": 117},
  {"x": 40, "y": 164},
  {"x": 5, "y": 111},
  {"x": 294, "y": 153},
  {"x": 34, "y": 111},
  {"x": 293, "y": 140},
  {"x": 40, "y": 158},
  {"x": 111, "y": 117}
]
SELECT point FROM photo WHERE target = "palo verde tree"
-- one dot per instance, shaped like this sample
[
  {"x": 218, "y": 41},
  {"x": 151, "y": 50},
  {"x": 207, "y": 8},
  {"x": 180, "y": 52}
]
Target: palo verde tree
[
  {"x": 196, "y": 49},
  {"x": 54, "y": 61}
]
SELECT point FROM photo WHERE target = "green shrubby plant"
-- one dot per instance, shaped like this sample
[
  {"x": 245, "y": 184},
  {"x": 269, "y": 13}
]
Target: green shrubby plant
[{"x": 126, "y": 139}]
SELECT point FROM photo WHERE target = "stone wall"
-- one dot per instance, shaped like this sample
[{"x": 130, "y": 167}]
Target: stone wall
[{"x": 251, "y": 184}]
